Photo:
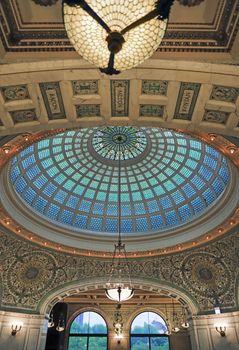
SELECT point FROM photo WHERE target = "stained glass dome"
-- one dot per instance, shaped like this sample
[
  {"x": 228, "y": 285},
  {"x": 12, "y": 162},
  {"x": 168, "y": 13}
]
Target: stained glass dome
[{"x": 168, "y": 179}]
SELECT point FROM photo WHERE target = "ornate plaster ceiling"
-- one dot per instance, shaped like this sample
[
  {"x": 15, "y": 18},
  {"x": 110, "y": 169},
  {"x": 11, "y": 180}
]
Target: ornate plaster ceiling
[
  {"x": 206, "y": 30},
  {"x": 183, "y": 95}
]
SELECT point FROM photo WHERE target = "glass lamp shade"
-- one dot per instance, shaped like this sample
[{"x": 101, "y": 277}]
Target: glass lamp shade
[
  {"x": 51, "y": 324},
  {"x": 89, "y": 38},
  {"x": 119, "y": 293},
  {"x": 185, "y": 325},
  {"x": 60, "y": 328},
  {"x": 175, "y": 329}
]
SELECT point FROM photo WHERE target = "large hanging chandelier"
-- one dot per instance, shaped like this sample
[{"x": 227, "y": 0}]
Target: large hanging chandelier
[
  {"x": 116, "y": 35},
  {"x": 119, "y": 287}
]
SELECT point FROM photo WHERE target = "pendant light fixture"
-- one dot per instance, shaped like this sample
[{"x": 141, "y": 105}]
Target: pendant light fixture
[
  {"x": 184, "y": 324},
  {"x": 116, "y": 35},
  {"x": 119, "y": 287},
  {"x": 175, "y": 328}
]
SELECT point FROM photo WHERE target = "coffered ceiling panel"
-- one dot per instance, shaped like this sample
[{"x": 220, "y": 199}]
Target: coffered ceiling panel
[
  {"x": 196, "y": 97},
  {"x": 207, "y": 27}
]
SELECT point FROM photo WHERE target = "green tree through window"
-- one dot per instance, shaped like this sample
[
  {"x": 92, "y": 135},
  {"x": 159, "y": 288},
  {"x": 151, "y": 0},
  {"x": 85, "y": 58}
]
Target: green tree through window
[
  {"x": 88, "y": 331},
  {"x": 148, "y": 332}
]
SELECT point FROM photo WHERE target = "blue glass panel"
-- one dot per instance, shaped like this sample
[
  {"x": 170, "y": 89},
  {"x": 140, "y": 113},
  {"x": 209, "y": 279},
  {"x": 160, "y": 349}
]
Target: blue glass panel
[
  {"x": 40, "y": 204},
  {"x": 141, "y": 224},
  {"x": 53, "y": 211},
  {"x": 96, "y": 224},
  {"x": 178, "y": 178},
  {"x": 218, "y": 186},
  {"x": 166, "y": 202},
  {"x": 111, "y": 225},
  {"x": 66, "y": 217},
  {"x": 139, "y": 209},
  {"x": 85, "y": 206},
  {"x": 171, "y": 218},
  {"x": 15, "y": 173},
  {"x": 208, "y": 196},
  {"x": 178, "y": 197},
  {"x": 81, "y": 221},
  {"x": 60, "y": 196},
  {"x": 185, "y": 212},
  {"x": 156, "y": 222},
  {"x": 72, "y": 202},
  {"x": 188, "y": 190},
  {"x": 29, "y": 195},
  {"x": 127, "y": 225},
  {"x": 49, "y": 190},
  {"x": 198, "y": 204},
  {"x": 112, "y": 210},
  {"x": 153, "y": 206},
  {"x": 40, "y": 181}
]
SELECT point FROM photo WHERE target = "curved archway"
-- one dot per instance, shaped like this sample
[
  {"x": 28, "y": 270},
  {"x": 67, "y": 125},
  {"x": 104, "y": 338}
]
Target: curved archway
[{"x": 93, "y": 284}]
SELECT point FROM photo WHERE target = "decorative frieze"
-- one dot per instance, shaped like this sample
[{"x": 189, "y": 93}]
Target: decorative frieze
[
  {"x": 215, "y": 116},
  {"x": 186, "y": 101},
  {"x": 224, "y": 93},
  {"x": 151, "y": 111},
  {"x": 88, "y": 110},
  {"x": 120, "y": 98},
  {"x": 154, "y": 87},
  {"x": 15, "y": 93},
  {"x": 23, "y": 116},
  {"x": 85, "y": 87},
  {"x": 52, "y": 97}
]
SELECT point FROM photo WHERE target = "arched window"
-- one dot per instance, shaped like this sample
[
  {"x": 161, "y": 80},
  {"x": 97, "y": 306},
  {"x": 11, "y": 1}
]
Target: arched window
[
  {"x": 89, "y": 332},
  {"x": 148, "y": 332}
]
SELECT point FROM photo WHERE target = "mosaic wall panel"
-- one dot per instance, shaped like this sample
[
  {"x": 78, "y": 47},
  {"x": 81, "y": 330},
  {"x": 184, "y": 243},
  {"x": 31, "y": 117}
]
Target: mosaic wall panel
[
  {"x": 154, "y": 87},
  {"x": 119, "y": 98},
  {"x": 85, "y": 87},
  {"x": 15, "y": 93},
  {"x": 151, "y": 111},
  {"x": 29, "y": 272},
  {"x": 224, "y": 93},
  {"x": 52, "y": 97},
  {"x": 88, "y": 111},
  {"x": 187, "y": 98},
  {"x": 23, "y": 116},
  {"x": 215, "y": 116}
]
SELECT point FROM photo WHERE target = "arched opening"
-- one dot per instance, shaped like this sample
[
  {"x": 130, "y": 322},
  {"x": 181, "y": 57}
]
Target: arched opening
[
  {"x": 88, "y": 331},
  {"x": 149, "y": 331}
]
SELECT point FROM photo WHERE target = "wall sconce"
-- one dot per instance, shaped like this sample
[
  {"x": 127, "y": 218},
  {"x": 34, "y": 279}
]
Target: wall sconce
[
  {"x": 221, "y": 330},
  {"x": 16, "y": 327}
]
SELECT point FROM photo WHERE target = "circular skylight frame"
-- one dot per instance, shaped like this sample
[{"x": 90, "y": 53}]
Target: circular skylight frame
[{"x": 78, "y": 239}]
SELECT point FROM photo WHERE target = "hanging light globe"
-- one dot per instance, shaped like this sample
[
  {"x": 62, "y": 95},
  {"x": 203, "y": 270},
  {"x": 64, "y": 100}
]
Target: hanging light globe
[
  {"x": 119, "y": 292},
  {"x": 116, "y": 35}
]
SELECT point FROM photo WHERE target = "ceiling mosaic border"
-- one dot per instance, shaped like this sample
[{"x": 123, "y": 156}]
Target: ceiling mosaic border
[
  {"x": 219, "y": 36},
  {"x": 203, "y": 97}
]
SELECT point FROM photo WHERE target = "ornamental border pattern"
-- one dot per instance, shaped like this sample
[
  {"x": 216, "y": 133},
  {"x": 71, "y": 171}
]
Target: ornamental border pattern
[{"x": 29, "y": 272}]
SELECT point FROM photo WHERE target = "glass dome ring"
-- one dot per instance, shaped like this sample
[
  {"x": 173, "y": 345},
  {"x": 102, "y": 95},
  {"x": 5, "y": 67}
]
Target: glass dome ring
[{"x": 37, "y": 224}]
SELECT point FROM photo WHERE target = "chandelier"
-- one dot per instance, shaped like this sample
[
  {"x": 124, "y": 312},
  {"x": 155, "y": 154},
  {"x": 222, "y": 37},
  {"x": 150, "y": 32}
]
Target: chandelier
[
  {"x": 116, "y": 35},
  {"x": 119, "y": 287}
]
